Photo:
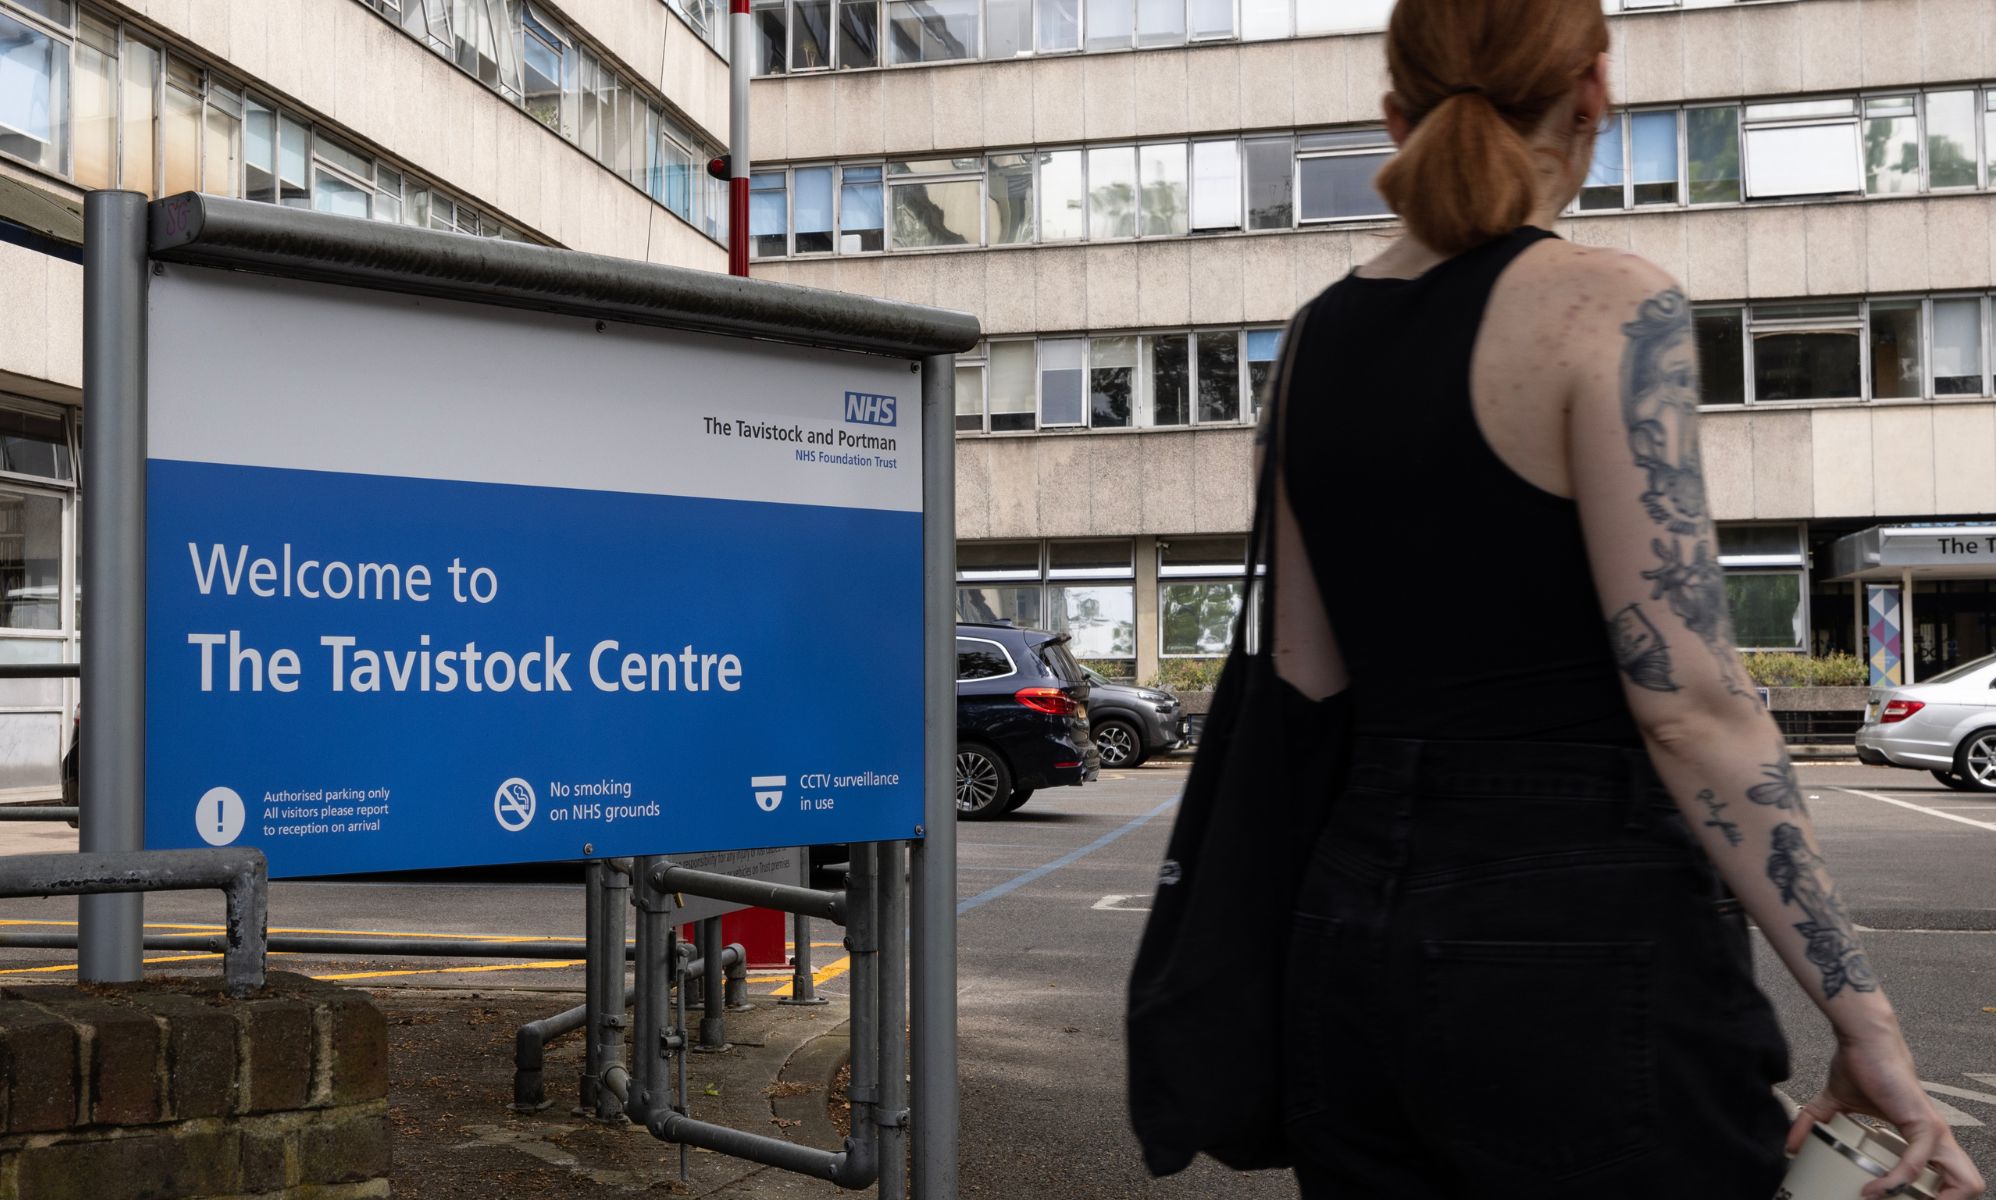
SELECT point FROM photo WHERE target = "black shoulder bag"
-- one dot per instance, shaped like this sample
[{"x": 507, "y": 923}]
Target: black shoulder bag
[{"x": 1203, "y": 1024}]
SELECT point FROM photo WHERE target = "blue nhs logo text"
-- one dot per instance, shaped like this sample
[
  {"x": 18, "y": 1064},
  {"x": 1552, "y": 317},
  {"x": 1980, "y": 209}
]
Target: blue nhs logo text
[{"x": 865, "y": 409}]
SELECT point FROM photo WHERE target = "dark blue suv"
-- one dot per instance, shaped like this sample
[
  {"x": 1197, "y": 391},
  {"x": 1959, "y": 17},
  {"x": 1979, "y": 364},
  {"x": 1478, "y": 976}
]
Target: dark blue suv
[{"x": 1021, "y": 718}]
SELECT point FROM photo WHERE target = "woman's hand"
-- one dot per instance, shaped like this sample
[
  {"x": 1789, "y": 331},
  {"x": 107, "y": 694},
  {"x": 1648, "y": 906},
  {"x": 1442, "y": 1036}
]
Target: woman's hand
[{"x": 1873, "y": 1074}]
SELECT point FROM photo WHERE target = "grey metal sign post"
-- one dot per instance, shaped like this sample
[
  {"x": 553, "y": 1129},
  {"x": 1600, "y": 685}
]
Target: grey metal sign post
[{"x": 129, "y": 241}]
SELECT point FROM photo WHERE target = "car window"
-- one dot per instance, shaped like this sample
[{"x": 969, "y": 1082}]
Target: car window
[
  {"x": 1967, "y": 668},
  {"x": 979, "y": 659},
  {"x": 1059, "y": 662}
]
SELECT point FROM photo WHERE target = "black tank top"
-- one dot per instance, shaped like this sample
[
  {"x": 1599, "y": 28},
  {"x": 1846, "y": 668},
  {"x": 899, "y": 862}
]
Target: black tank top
[{"x": 1458, "y": 591}]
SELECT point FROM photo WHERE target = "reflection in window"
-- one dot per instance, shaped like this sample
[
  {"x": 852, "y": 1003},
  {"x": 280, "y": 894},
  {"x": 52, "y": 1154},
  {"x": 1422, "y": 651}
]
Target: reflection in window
[
  {"x": 1806, "y": 352},
  {"x": 1162, "y": 168},
  {"x": 1101, "y": 620},
  {"x": 141, "y": 72},
  {"x": 34, "y": 444},
  {"x": 1059, "y": 25},
  {"x": 95, "y": 132},
  {"x": 34, "y": 89},
  {"x": 1895, "y": 350},
  {"x": 1891, "y": 146},
  {"x": 1063, "y": 215},
  {"x": 1271, "y": 183},
  {"x": 1766, "y": 609},
  {"x": 931, "y": 30},
  {"x": 541, "y": 58},
  {"x": 944, "y": 212},
  {"x": 859, "y": 33},
  {"x": 1712, "y": 145},
  {"x": 1219, "y": 376},
  {"x": 30, "y": 561},
  {"x": 1112, "y": 377},
  {"x": 1603, "y": 186},
  {"x": 1170, "y": 380},
  {"x": 1197, "y": 618},
  {"x": 1009, "y": 186},
  {"x": 975, "y": 657},
  {"x": 1721, "y": 355},
  {"x": 1653, "y": 157},
  {"x": 1951, "y": 139},
  {"x": 1958, "y": 347},
  {"x": 1263, "y": 345},
  {"x": 769, "y": 217},
  {"x": 810, "y": 34},
  {"x": 1008, "y": 28},
  {"x": 1112, "y": 192},
  {"x": 1335, "y": 172},
  {"x": 1062, "y": 401},
  {"x": 259, "y": 152}
]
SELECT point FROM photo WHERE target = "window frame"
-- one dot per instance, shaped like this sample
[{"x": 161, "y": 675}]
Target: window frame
[{"x": 1302, "y": 155}]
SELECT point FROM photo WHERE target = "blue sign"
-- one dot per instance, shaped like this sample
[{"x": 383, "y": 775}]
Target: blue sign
[{"x": 482, "y": 661}]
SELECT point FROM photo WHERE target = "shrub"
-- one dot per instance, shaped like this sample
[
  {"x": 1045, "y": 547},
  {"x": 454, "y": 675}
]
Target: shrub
[
  {"x": 1770, "y": 669},
  {"x": 1187, "y": 674}
]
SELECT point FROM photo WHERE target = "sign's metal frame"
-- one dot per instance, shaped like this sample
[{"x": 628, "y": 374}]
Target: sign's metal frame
[{"x": 125, "y": 235}]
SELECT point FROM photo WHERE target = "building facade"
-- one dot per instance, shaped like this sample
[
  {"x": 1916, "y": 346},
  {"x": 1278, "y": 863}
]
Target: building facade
[
  {"x": 1134, "y": 195},
  {"x": 579, "y": 123}
]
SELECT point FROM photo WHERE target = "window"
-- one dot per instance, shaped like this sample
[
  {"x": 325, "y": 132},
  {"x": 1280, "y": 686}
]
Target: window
[
  {"x": 1271, "y": 182},
  {"x": 259, "y": 152},
  {"x": 1958, "y": 367},
  {"x": 1341, "y": 16},
  {"x": 1891, "y": 146},
  {"x": 1105, "y": 558},
  {"x": 1199, "y": 594},
  {"x": 1896, "y": 373},
  {"x": 34, "y": 94},
  {"x": 810, "y": 35},
  {"x": 931, "y": 30},
  {"x": 1263, "y": 19},
  {"x": 1010, "y": 386},
  {"x": 1951, "y": 156},
  {"x": 811, "y": 209},
  {"x": 1219, "y": 376},
  {"x": 1216, "y": 185},
  {"x": 984, "y": 561},
  {"x": 1062, "y": 399},
  {"x": 1162, "y": 168},
  {"x": 1802, "y": 148},
  {"x": 1721, "y": 355},
  {"x": 222, "y": 143},
  {"x": 1160, "y": 22},
  {"x": 292, "y": 138},
  {"x": 769, "y": 216},
  {"x": 1008, "y": 184},
  {"x": 1112, "y": 192},
  {"x": 1712, "y": 150},
  {"x": 936, "y": 201},
  {"x": 979, "y": 658},
  {"x": 1112, "y": 380},
  {"x": 480, "y": 30},
  {"x": 1110, "y": 24},
  {"x": 969, "y": 396},
  {"x": 342, "y": 180},
  {"x": 1059, "y": 25},
  {"x": 1008, "y": 28},
  {"x": 1334, "y": 174},
  {"x": 1603, "y": 187},
  {"x": 1653, "y": 158},
  {"x": 1767, "y": 609},
  {"x": 862, "y": 228},
  {"x": 1099, "y": 619},
  {"x": 1263, "y": 347},
  {"x": 1170, "y": 379},
  {"x": 1989, "y": 136},
  {"x": 1062, "y": 213},
  {"x": 859, "y": 33},
  {"x": 140, "y": 156},
  {"x": 1211, "y": 18},
  {"x": 95, "y": 132},
  {"x": 1806, "y": 352},
  {"x": 543, "y": 52}
]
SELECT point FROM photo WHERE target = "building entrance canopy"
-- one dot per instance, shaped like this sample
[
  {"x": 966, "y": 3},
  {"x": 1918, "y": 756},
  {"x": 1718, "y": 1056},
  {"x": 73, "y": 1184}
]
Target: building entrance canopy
[{"x": 1937, "y": 551}]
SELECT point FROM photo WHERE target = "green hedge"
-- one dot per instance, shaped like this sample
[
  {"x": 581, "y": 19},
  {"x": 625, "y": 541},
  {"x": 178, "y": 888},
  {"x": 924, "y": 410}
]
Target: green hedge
[
  {"x": 1799, "y": 670},
  {"x": 1187, "y": 674}
]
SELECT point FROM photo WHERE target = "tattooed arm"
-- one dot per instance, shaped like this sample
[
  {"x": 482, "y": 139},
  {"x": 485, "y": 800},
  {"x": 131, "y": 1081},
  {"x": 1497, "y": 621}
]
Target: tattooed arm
[{"x": 1638, "y": 479}]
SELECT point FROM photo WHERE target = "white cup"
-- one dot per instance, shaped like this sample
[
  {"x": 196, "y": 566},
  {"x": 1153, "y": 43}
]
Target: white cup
[{"x": 1841, "y": 1156}]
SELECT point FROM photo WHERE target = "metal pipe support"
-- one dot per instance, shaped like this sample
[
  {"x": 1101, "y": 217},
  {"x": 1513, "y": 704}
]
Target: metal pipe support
[{"x": 783, "y": 897}]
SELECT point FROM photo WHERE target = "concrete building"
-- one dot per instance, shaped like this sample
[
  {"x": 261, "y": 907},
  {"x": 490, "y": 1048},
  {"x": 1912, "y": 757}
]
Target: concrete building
[
  {"x": 1134, "y": 195},
  {"x": 579, "y": 123}
]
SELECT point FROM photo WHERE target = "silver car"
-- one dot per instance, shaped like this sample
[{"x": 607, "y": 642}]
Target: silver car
[{"x": 1946, "y": 725}]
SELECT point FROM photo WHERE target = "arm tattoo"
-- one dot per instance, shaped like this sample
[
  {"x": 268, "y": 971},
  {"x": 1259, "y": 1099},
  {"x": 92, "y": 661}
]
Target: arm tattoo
[
  {"x": 1713, "y": 807},
  {"x": 1660, "y": 409},
  {"x": 1640, "y": 650},
  {"x": 1797, "y": 871},
  {"x": 1781, "y": 789}
]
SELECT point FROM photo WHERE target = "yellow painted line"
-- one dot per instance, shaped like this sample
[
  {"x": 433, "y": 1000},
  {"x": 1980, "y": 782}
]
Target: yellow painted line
[
  {"x": 497, "y": 938},
  {"x": 827, "y": 972},
  {"x": 72, "y": 966},
  {"x": 532, "y": 966}
]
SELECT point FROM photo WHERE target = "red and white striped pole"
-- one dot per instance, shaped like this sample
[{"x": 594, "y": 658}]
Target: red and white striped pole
[{"x": 740, "y": 43}]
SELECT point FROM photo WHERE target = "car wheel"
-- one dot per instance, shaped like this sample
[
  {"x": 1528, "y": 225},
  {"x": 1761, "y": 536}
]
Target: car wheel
[
  {"x": 1953, "y": 780},
  {"x": 983, "y": 784},
  {"x": 1975, "y": 761},
  {"x": 1019, "y": 797},
  {"x": 1118, "y": 743}
]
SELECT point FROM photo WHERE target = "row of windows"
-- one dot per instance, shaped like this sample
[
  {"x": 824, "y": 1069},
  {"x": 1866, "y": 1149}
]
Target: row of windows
[
  {"x": 523, "y": 53},
  {"x": 1152, "y": 380},
  {"x": 1884, "y": 348},
  {"x": 818, "y": 35},
  {"x": 1878, "y": 145},
  {"x": 1707, "y": 154},
  {"x": 1100, "y": 193},
  {"x": 84, "y": 96}
]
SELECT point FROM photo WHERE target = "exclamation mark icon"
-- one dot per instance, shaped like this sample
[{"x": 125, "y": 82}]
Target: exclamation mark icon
[{"x": 218, "y": 816}]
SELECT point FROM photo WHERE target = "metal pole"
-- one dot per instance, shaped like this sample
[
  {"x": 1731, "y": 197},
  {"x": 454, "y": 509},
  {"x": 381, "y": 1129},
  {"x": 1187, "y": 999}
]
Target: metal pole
[
  {"x": 740, "y": 39},
  {"x": 596, "y": 949},
  {"x": 616, "y": 900},
  {"x": 714, "y": 1011},
  {"x": 803, "y": 980},
  {"x": 112, "y": 770},
  {"x": 656, "y": 961},
  {"x": 1909, "y": 642},
  {"x": 892, "y": 1115},
  {"x": 933, "y": 980}
]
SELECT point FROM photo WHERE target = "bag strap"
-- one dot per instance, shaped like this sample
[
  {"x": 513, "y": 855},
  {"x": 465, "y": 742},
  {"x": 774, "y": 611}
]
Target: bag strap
[{"x": 1261, "y": 535}]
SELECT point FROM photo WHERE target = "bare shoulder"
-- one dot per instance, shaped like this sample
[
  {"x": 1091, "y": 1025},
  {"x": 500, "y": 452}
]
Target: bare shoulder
[{"x": 1589, "y": 286}]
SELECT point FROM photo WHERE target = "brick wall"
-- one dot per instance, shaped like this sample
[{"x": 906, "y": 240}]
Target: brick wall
[{"x": 169, "y": 1090}]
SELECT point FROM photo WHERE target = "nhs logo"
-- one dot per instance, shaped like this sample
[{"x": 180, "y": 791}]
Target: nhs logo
[{"x": 865, "y": 409}]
